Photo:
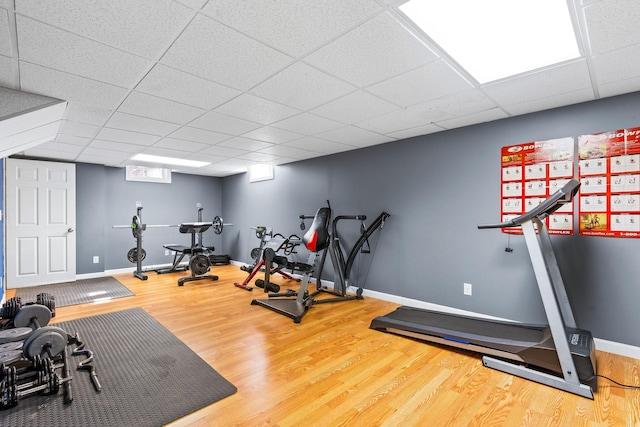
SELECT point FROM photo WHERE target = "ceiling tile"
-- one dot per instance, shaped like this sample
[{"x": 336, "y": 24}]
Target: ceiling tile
[
  {"x": 69, "y": 87},
  {"x": 140, "y": 124},
  {"x": 218, "y": 150},
  {"x": 77, "y": 112},
  {"x": 5, "y": 34},
  {"x": 118, "y": 135},
  {"x": 307, "y": 124},
  {"x": 176, "y": 85},
  {"x": 289, "y": 26},
  {"x": 223, "y": 123},
  {"x": 72, "y": 139},
  {"x": 562, "y": 79},
  {"x": 256, "y": 109},
  {"x": 619, "y": 87},
  {"x": 144, "y": 27},
  {"x": 247, "y": 62},
  {"x": 244, "y": 144},
  {"x": 161, "y": 109},
  {"x": 193, "y": 4},
  {"x": 353, "y": 135},
  {"x": 612, "y": 24},
  {"x": 113, "y": 155},
  {"x": 68, "y": 149},
  {"x": 320, "y": 145},
  {"x": 290, "y": 152},
  {"x": 42, "y": 151},
  {"x": 607, "y": 66},
  {"x": 554, "y": 101},
  {"x": 78, "y": 129},
  {"x": 53, "y": 48},
  {"x": 7, "y": 74},
  {"x": 272, "y": 134},
  {"x": 207, "y": 157},
  {"x": 117, "y": 146},
  {"x": 302, "y": 86},
  {"x": 422, "y": 114},
  {"x": 180, "y": 144},
  {"x": 354, "y": 107},
  {"x": 375, "y": 51},
  {"x": 199, "y": 135},
  {"x": 428, "y": 82},
  {"x": 417, "y": 131},
  {"x": 260, "y": 157},
  {"x": 480, "y": 117}
]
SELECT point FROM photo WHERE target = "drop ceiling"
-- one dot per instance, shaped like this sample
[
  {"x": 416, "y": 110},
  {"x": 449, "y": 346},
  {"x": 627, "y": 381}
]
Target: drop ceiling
[{"x": 236, "y": 82}]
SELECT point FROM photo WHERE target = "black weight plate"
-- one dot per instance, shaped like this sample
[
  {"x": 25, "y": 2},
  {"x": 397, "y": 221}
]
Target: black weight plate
[
  {"x": 9, "y": 346},
  {"x": 199, "y": 265},
  {"x": 132, "y": 255},
  {"x": 33, "y": 311},
  {"x": 14, "y": 334},
  {"x": 10, "y": 356},
  {"x": 255, "y": 253},
  {"x": 218, "y": 225},
  {"x": 43, "y": 341}
]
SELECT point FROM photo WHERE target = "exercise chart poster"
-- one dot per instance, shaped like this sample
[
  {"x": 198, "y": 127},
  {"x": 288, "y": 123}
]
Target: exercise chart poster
[
  {"x": 609, "y": 173},
  {"x": 531, "y": 172}
]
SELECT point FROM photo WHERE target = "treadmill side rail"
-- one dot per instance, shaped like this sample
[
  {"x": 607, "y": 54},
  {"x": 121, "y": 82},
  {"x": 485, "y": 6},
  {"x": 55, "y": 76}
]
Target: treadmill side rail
[{"x": 537, "y": 376}]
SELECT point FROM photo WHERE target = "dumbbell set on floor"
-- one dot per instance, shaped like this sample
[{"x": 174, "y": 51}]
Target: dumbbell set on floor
[{"x": 31, "y": 352}]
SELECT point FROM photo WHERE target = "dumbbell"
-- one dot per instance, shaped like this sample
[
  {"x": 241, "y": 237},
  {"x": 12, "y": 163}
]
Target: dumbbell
[
  {"x": 40, "y": 378},
  {"x": 40, "y": 340}
]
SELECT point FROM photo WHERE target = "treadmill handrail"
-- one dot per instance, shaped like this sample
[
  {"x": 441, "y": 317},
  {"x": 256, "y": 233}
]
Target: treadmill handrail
[{"x": 544, "y": 209}]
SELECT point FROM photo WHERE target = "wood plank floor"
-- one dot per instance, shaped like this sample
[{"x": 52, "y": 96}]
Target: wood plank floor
[{"x": 332, "y": 370}]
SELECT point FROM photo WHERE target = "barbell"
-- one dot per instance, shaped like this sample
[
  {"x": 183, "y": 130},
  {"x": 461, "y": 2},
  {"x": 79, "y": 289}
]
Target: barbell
[{"x": 137, "y": 226}]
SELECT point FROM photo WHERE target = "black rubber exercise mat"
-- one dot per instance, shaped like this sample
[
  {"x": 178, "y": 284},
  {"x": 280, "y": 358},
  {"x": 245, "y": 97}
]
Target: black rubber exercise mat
[
  {"x": 148, "y": 376},
  {"x": 78, "y": 292}
]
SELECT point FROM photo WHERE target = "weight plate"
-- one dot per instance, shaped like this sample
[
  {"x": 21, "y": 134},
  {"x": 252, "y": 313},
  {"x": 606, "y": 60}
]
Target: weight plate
[
  {"x": 218, "y": 224},
  {"x": 9, "y": 346},
  {"x": 11, "y": 356},
  {"x": 38, "y": 312},
  {"x": 14, "y": 334},
  {"x": 132, "y": 255},
  {"x": 136, "y": 226},
  {"x": 46, "y": 342},
  {"x": 199, "y": 265}
]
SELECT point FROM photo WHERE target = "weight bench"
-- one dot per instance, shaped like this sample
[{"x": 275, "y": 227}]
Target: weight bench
[
  {"x": 199, "y": 263},
  {"x": 179, "y": 253}
]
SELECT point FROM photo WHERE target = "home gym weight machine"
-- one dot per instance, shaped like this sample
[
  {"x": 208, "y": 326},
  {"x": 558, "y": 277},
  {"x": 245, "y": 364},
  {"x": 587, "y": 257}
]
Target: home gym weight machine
[
  {"x": 138, "y": 254},
  {"x": 285, "y": 244},
  {"x": 319, "y": 239},
  {"x": 557, "y": 354}
]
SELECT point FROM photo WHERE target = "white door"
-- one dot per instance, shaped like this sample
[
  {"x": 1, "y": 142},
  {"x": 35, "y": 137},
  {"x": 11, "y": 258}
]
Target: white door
[{"x": 40, "y": 218}]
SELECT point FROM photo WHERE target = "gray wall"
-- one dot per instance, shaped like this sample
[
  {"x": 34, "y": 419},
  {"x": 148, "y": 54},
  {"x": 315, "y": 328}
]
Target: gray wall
[
  {"x": 438, "y": 188},
  {"x": 105, "y": 198}
]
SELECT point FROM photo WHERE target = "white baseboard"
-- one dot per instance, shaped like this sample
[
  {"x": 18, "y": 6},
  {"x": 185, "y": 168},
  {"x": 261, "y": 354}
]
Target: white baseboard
[{"x": 601, "y": 345}]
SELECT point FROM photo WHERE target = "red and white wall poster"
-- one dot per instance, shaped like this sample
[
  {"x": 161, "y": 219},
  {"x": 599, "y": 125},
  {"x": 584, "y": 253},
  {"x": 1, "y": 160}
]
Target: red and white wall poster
[
  {"x": 609, "y": 173},
  {"x": 533, "y": 171}
]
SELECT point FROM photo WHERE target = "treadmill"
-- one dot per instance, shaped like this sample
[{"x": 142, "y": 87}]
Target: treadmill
[{"x": 557, "y": 354}]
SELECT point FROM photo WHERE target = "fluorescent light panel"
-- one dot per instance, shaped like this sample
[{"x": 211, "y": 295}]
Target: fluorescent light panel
[
  {"x": 169, "y": 160},
  {"x": 495, "y": 39}
]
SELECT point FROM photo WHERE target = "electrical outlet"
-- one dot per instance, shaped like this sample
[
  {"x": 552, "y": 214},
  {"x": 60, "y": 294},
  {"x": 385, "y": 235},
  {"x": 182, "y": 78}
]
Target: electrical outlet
[
  {"x": 166, "y": 251},
  {"x": 96, "y": 259},
  {"x": 467, "y": 288}
]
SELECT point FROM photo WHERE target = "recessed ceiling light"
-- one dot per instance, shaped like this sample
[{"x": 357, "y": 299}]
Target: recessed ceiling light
[
  {"x": 168, "y": 160},
  {"x": 495, "y": 39}
]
